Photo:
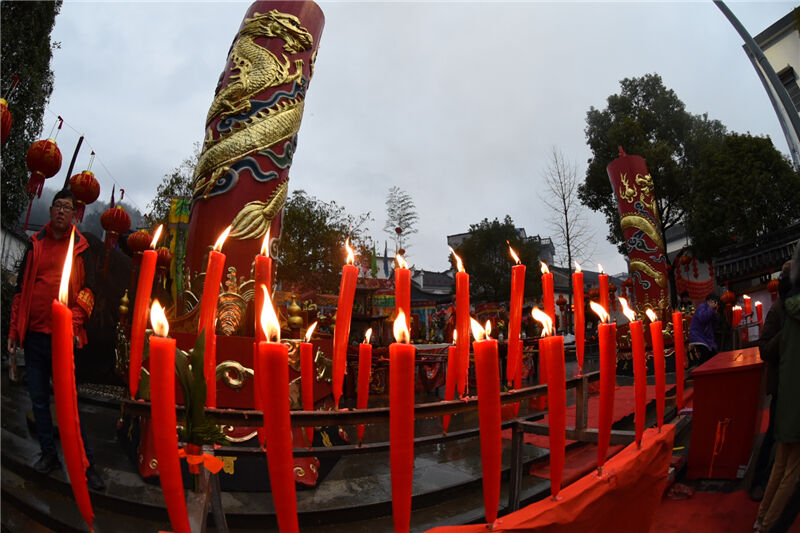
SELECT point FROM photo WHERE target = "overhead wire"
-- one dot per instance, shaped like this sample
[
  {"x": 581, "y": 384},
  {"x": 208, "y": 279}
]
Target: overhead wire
[{"x": 98, "y": 159}]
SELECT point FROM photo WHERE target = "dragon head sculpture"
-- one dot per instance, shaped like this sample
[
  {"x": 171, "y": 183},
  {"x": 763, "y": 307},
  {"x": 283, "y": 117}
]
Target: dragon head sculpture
[{"x": 284, "y": 26}]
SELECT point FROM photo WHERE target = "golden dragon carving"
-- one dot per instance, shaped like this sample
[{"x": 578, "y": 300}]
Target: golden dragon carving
[{"x": 256, "y": 70}]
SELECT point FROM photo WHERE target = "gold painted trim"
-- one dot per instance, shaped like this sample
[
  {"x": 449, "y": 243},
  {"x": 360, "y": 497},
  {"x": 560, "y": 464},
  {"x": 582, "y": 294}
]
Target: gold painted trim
[
  {"x": 641, "y": 266},
  {"x": 641, "y": 223}
]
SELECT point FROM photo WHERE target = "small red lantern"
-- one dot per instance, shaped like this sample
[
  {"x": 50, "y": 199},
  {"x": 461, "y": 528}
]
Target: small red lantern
[
  {"x": 163, "y": 262},
  {"x": 5, "y": 120},
  {"x": 116, "y": 221},
  {"x": 628, "y": 282},
  {"x": 772, "y": 287},
  {"x": 686, "y": 259},
  {"x": 44, "y": 161},
  {"x": 138, "y": 242},
  {"x": 728, "y": 297},
  {"x": 86, "y": 189}
]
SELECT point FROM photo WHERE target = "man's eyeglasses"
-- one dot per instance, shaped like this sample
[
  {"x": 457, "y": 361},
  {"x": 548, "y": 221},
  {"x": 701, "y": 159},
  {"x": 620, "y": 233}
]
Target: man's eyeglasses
[{"x": 62, "y": 207}]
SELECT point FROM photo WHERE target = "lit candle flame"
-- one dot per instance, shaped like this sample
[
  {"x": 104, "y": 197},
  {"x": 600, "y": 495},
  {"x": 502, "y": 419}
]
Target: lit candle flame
[
  {"x": 758, "y": 303},
  {"x": 477, "y": 331},
  {"x": 400, "y": 330},
  {"x": 577, "y": 267},
  {"x": 63, "y": 288},
  {"x": 269, "y": 320},
  {"x": 159, "y": 319},
  {"x": 401, "y": 262},
  {"x": 221, "y": 239},
  {"x": 459, "y": 264},
  {"x": 265, "y": 245},
  {"x": 310, "y": 331},
  {"x": 488, "y": 329},
  {"x": 735, "y": 307},
  {"x": 626, "y": 310},
  {"x": 513, "y": 253},
  {"x": 544, "y": 319},
  {"x": 545, "y": 270},
  {"x": 351, "y": 256},
  {"x": 600, "y": 311},
  {"x": 651, "y": 315},
  {"x": 600, "y": 268},
  {"x": 455, "y": 336},
  {"x": 156, "y": 236},
  {"x": 367, "y": 335}
]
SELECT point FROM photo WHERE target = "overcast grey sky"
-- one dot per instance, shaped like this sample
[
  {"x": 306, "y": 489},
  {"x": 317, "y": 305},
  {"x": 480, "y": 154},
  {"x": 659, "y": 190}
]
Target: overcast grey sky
[{"x": 457, "y": 103}]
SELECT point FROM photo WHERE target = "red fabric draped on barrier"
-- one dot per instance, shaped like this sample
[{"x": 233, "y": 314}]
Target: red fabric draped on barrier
[{"x": 624, "y": 499}]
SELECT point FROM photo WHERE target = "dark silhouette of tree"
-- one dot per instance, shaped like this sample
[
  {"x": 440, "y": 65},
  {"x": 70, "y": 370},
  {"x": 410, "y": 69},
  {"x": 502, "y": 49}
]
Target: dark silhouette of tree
[
  {"x": 313, "y": 238},
  {"x": 26, "y": 50},
  {"x": 488, "y": 262}
]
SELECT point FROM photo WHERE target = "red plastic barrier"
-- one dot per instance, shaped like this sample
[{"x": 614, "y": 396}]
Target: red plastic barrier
[{"x": 624, "y": 499}]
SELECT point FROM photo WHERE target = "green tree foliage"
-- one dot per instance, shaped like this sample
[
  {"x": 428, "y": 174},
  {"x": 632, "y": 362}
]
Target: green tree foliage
[
  {"x": 742, "y": 188},
  {"x": 488, "y": 262},
  {"x": 401, "y": 213},
  {"x": 649, "y": 120},
  {"x": 313, "y": 237},
  {"x": 177, "y": 182},
  {"x": 714, "y": 181},
  {"x": 25, "y": 50}
]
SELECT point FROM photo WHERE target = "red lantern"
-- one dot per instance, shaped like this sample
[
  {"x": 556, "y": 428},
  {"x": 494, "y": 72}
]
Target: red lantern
[
  {"x": 561, "y": 302},
  {"x": 86, "y": 189},
  {"x": 44, "y": 161},
  {"x": 163, "y": 262},
  {"x": 116, "y": 222},
  {"x": 728, "y": 297},
  {"x": 5, "y": 120},
  {"x": 685, "y": 259},
  {"x": 772, "y": 287},
  {"x": 138, "y": 242}
]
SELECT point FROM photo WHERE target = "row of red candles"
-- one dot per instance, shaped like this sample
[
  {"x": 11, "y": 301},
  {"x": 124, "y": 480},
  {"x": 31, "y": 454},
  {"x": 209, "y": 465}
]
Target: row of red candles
[{"x": 272, "y": 383}]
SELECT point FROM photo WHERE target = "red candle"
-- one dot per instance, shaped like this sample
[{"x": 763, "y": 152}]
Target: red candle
[
  {"x": 208, "y": 316},
  {"x": 547, "y": 292},
  {"x": 607, "y": 333},
  {"x": 450, "y": 379},
  {"x": 747, "y": 305},
  {"x": 487, "y": 375},
  {"x": 66, "y": 394},
  {"x": 462, "y": 325},
  {"x": 657, "y": 339},
  {"x": 274, "y": 383},
  {"x": 401, "y": 424},
  {"x": 578, "y": 311},
  {"x": 680, "y": 357},
  {"x": 402, "y": 289},
  {"x": 162, "y": 398},
  {"x": 551, "y": 347},
  {"x": 737, "y": 315},
  {"x": 514, "y": 357},
  {"x": 602, "y": 280},
  {"x": 307, "y": 377},
  {"x": 344, "y": 311},
  {"x": 147, "y": 270},
  {"x": 263, "y": 276},
  {"x": 759, "y": 313},
  {"x": 639, "y": 370},
  {"x": 364, "y": 371}
]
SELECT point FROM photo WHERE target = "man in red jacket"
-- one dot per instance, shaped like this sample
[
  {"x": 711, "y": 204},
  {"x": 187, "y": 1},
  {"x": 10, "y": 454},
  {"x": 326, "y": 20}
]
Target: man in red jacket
[{"x": 31, "y": 319}]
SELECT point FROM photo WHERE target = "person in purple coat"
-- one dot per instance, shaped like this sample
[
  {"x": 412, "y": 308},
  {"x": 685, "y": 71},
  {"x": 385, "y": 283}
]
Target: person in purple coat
[{"x": 701, "y": 330}]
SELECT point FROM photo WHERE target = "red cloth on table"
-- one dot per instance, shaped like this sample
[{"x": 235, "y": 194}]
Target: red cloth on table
[{"x": 625, "y": 499}]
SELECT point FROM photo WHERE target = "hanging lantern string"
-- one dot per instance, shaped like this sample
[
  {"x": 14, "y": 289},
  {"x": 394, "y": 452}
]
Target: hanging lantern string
[
  {"x": 60, "y": 122},
  {"x": 97, "y": 157},
  {"x": 14, "y": 84}
]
